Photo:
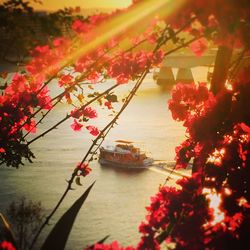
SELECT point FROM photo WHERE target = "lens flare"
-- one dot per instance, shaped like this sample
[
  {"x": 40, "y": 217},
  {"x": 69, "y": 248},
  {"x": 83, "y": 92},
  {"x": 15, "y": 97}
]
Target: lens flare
[{"x": 214, "y": 199}]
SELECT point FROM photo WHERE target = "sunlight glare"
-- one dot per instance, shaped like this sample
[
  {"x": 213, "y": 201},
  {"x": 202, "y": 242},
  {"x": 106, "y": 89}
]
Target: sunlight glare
[
  {"x": 217, "y": 156},
  {"x": 214, "y": 202},
  {"x": 118, "y": 24},
  {"x": 228, "y": 86}
]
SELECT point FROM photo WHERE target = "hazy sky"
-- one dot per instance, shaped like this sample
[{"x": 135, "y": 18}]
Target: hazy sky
[{"x": 60, "y": 4}]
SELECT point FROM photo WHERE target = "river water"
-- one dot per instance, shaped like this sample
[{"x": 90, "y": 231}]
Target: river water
[{"x": 116, "y": 204}]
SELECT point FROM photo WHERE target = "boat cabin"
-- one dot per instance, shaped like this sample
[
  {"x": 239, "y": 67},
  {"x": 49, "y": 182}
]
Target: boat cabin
[{"x": 123, "y": 152}]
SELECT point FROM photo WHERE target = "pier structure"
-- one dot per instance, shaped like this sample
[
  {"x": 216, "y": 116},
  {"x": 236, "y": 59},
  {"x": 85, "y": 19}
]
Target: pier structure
[{"x": 184, "y": 63}]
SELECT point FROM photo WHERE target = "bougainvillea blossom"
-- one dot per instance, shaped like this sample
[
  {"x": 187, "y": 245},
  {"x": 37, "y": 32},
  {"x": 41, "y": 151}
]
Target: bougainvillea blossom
[
  {"x": 76, "y": 126},
  {"x": 83, "y": 168},
  {"x": 6, "y": 245},
  {"x": 93, "y": 130}
]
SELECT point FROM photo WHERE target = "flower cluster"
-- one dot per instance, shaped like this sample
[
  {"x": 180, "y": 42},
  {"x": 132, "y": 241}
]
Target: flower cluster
[
  {"x": 17, "y": 104},
  {"x": 176, "y": 216},
  {"x": 218, "y": 148},
  {"x": 130, "y": 65},
  {"x": 83, "y": 115},
  {"x": 47, "y": 60}
]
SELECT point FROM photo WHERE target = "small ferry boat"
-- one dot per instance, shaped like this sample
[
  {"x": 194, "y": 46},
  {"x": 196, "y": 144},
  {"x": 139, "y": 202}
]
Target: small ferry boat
[{"x": 124, "y": 154}]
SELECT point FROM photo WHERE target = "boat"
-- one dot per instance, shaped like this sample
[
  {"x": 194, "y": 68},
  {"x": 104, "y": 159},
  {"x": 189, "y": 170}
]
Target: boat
[{"x": 124, "y": 154}]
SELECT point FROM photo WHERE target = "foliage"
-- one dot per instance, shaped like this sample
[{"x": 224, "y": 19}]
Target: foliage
[
  {"x": 218, "y": 145},
  {"x": 22, "y": 28},
  {"x": 25, "y": 218}
]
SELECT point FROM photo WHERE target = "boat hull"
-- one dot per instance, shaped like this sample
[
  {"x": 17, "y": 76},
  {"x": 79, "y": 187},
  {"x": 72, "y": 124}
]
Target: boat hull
[{"x": 146, "y": 164}]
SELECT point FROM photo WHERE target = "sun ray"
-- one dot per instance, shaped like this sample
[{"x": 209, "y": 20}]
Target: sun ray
[
  {"x": 143, "y": 11},
  {"x": 118, "y": 24}
]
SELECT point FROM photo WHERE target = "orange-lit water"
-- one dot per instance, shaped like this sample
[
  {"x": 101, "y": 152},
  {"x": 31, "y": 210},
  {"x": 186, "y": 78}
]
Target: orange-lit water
[{"x": 116, "y": 205}]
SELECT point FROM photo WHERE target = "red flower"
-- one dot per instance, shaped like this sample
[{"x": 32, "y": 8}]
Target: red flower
[
  {"x": 202, "y": 92},
  {"x": 65, "y": 79},
  {"x": 59, "y": 41},
  {"x": 30, "y": 126},
  {"x": 108, "y": 105},
  {"x": 112, "y": 246},
  {"x": 234, "y": 221},
  {"x": 148, "y": 243},
  {"x": 83, "y": 168},
  {"x": 19, "y": 81},
  {"x": 93, "y": 130},
  {"x": 76, "y": 113},
  {"x": 93, "y": 77},
  {"x": 158, "y": 57},
  {"x": 80, "y": 27},
  {"x": 2, "y": 150},
  {"x": 199, "y": 46},
  {"x": 79, "y": 66},
  {"x": 179, "y": 111},
  {"x": 45, "y": 102},
  {"x": 40, "y": 50},
  {"x": 76, "y": 126},
  {"x": 145, "y": 228},
  {"x": 244, "y": 127},
  {"x": 89, "y": 112},
  {"x": 6, "y": 245}
]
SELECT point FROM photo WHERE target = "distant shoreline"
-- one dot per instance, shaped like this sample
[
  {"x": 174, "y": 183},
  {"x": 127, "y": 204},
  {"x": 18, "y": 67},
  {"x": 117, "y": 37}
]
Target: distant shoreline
[{"x": 83, "y": 12}]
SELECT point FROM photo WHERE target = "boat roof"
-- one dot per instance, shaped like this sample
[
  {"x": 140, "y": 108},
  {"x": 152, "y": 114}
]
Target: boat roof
[{"x": 118, "y": 150}]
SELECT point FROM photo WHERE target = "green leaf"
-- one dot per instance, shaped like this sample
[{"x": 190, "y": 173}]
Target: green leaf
[
  {"x": 112, "y": 98},
  {"x": 103, "y": 239},
  {"x": 58, "y": 236},
  {"x": 78, "y": 181}
]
